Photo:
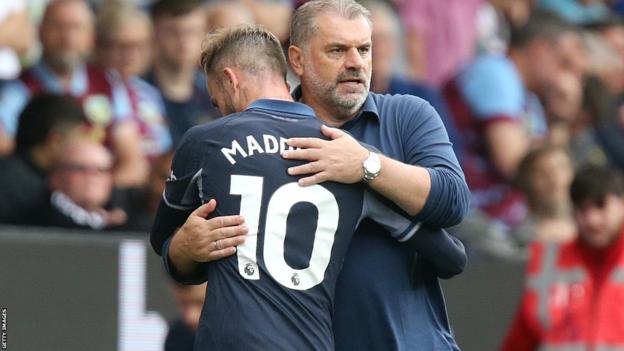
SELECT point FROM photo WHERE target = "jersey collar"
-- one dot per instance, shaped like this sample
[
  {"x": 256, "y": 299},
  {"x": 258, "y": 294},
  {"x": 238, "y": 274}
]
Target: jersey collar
[{"x": 290, "y": 107}]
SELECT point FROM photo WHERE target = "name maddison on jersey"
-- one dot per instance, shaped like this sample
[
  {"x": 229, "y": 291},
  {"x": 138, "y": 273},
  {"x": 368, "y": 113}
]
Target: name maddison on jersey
[{"x": 268, "y": 144}]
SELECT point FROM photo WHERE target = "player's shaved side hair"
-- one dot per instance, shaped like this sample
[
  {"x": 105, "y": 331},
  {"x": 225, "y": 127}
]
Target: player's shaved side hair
[
  {"x": 303, "y": 24},
  {"x": 251, "y": 48}
]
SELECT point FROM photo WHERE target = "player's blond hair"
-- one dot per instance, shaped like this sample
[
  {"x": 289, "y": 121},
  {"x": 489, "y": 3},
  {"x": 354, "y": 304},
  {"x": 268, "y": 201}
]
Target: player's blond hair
[{"x": 249, "y": 47}]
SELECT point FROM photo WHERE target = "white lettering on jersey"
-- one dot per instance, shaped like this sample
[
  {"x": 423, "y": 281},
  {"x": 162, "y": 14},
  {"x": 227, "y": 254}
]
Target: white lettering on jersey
[
  {"x": 270, "y": 145},
  {"x": 236, "y": 148}
]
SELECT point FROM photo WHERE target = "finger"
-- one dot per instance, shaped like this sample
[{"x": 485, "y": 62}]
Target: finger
[
  {"x": 308, "y": 168},
  {"x": 204, "y": 210},
  {"x": 303, "y": 154},
  {"x": 227, "y": 232},
  {"x": 306, "y": 142},
  {"x": 315, "y": 179},
  {"x": 230, "y": 242},
  {"x": 332, "y": 133},
  {"x": 219, "y": 254},
  {"x": 224, "y": 221}
]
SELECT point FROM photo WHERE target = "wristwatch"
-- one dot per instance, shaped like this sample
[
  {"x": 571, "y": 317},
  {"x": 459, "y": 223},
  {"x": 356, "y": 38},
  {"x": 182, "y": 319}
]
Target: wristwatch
[{"x": 371, "y": 166}]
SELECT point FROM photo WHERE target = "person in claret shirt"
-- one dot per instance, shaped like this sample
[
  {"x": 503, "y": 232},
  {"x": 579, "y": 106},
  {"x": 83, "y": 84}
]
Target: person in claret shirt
[
  {"x": 573, "y": 294},
  {"x": 123, "y": 37},
  {"x": 66, "y": 35}
]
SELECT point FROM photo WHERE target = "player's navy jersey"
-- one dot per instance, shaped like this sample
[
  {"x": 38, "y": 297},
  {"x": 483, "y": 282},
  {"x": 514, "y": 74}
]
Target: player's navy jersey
[{"x": 277, "y": 292}]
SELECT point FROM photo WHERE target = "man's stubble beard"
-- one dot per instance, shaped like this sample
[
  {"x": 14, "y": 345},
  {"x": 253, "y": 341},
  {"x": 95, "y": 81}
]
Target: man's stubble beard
[{"x": 345, "y": 106}]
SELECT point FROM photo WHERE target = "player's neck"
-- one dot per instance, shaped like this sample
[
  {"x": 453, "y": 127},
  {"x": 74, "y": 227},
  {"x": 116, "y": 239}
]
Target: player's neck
[{"x": 268, "y": 89}]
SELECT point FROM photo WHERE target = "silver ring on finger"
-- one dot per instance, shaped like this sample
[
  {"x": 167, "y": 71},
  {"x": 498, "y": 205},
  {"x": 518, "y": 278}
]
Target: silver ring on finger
[{"x": 216, "y": 244}]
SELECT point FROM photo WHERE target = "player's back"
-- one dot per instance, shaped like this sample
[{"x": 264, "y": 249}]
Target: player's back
[{"x": 276, "y": 293}]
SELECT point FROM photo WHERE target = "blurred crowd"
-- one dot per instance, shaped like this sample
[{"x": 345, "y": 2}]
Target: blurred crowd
[
  {"x": 95, "y": 95},
  {"x": 528, "y": 91}
]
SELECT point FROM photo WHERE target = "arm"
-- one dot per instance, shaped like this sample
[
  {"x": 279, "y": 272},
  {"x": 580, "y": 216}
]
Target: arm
[
  {"x": 198, "y": 239},
  {"x": 341, "y": 160},
  {"x": 437, "y": 194},
  {"x": 445, "y": 254},
  {"x": 507, "y": 143},
  {"x": 132, "y": 167}
]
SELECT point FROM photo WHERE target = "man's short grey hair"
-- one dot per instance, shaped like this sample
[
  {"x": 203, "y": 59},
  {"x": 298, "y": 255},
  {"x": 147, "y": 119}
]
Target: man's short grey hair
[
  {"x": 303, "y": 24},
  {"x": 251, "y": 48}
]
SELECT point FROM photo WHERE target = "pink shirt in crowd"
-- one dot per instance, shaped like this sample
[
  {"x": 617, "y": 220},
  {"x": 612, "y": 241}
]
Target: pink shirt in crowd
[{"x": 449, "y": 31}]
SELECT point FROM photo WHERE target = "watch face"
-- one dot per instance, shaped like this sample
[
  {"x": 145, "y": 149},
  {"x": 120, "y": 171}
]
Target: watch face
[{"x": 372, "y": 164}]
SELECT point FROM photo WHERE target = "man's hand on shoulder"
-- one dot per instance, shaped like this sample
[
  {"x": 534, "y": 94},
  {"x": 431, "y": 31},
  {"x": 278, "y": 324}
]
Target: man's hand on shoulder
[{"x": 339, "y": 159}]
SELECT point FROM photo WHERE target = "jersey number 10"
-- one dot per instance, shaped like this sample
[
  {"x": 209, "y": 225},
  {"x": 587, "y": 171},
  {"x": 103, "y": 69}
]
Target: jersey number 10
[{"x": 279, "y": 205}]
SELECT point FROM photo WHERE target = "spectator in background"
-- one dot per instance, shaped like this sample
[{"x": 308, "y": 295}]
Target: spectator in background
[
  {"x": 221, "y": 14},
  {"x": 124, "y": 38},
  {"x": 17, "y": 35},
  {"x": 44, "y": 123},
  {"x": 605, "y": 93},
  {"x": 273, "y": 15},
  {"x": 385, "y": 80},
  {"x": 440, "y": 36},
  {"x": 544, "y": 176},
  {"x": 141, "y": 204},
  {"x": 494, "y": 104},
  {"x": 190, "y": 300},
  {"x": 81, "y": 184},
  {"x": 573, "y": 294},
  {"x": 496, "y": 19},
  {"x": 179, "y": 27},
  {"x": 66, "y": 34}
]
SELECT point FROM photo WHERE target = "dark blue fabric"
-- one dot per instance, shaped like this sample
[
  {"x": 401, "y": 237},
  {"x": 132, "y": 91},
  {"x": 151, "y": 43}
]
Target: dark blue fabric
[
  {"x": 243, "y": 314},
  {"x": 386, "y": 297},
  {"x": 180, "y": 337}
]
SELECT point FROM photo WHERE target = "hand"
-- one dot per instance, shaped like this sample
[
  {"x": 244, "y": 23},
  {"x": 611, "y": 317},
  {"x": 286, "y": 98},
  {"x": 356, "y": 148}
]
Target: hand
[
  {"x": 202, "y": 240},
  {"x": 339, "y": 159}
]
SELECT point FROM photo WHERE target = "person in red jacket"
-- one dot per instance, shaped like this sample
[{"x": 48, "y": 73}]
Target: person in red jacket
[{"x": 574, "y": 294}]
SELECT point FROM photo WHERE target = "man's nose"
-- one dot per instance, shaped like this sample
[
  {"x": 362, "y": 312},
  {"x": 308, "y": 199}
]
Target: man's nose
[{"x": 354, "y": 59}]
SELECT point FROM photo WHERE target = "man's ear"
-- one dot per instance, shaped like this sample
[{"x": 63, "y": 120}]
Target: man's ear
[
  {"x": 295, "y": 56},
  {"x": 231, "y": 79}
]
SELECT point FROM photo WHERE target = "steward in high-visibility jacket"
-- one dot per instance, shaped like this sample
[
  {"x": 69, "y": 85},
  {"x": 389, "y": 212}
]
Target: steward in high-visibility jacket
[{"x": 573, "y": 299}]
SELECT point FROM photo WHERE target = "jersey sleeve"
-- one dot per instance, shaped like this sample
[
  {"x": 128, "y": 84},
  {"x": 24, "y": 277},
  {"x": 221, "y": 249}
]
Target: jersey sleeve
[
  {"x": 445, "y": 254},
  {"x": 181, "y": 195},
  {"x": 399, "y": 224}
]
